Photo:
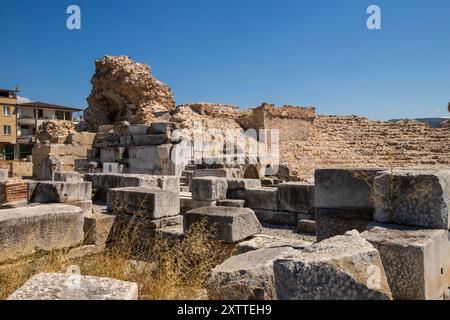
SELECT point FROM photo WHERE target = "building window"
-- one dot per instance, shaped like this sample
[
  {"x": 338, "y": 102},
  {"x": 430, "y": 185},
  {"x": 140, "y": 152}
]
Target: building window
[
  {"x": 7, "y": 111},
  {"x": 40, "y": 113},
  {"x": 6, "y": 130}
]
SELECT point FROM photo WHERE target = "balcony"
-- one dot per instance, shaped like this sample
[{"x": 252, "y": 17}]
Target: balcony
[{"x": 27, "y": 121}]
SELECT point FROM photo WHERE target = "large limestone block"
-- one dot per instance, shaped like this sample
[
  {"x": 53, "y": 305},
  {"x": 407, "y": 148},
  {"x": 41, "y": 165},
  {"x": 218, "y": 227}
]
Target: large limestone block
[
  {"x": 152, "y": 160},
  {"x": 26, "y": 230},
  {"x": 247, "y": 276},
  {"x": 296, "y": 197},
  {"x": 151, "y": 140},
  {"x": 209, "y": 188},
  {"x": 238, "y": 184},
  {"x": 419, "y": 198},
  {"x": 348, "y": 189},
  {"x": 335, "y": 222},
  {"x": 281, "y": 218},
  {"x": 102, "y": 182},
  {"x": 112, "y": 154},
  {"x": 341, "y": 268},
  {"x": 263, "y": 241},
  {"x": 67, "y": 176},
  {"x": 4, "y": 174},
  {"x": 61, "y": 192},
  {"x": 226, "y": 224},
  {"x": 145, "y": 202},
  {"x": 416, "y": 261},
  {"x": 69, "y": 286},
  {"x": 262, "y": 198},
  {"x": 97, "y": 227}
]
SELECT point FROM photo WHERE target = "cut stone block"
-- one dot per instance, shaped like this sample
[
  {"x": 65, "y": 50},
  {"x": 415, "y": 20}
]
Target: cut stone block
[
  {"x": 69, "y": 286},
  {"x": 226, "y": 224},
  {"x": 341, "y": 268},
  {"x": 67, "y": 176},
  {"x": 219, "y": 173},
  {"x": 4, "y": 174},
  {"x": 418, "y": 198},
  {"x": 152, "y": 160},
  {"x": 262, "y": 241},
  {"x": 61, "y": 192},
  {"x": 262, "y": 198},
  {"x": 161, "y": 128},
  {"x": 333, "y": 222},
  {"x": 209, "y": 188},
  {"x": 26, "y": 230},
  {"x": 231, "y": 203},
  {"x": 243, "y": 184},
  {"x": 86, "y": 205},
  {"x": 144, "y": 202},
  {"x": 348, "y": 189},
  {"x": 276, "y": 217},
  {"x": 187, "y": 203},
  {"x": 306, "y": 226},
  {"x": 416, "y": 261},
  {"x": 103, "y": 182},
  {"x": 151, "y": 140},
  {"x": 97, "y": 227},
  {"x": 113, "y": 154},
  {"x": 296, "y": 197},
  {"x": 247, "y": 276}
]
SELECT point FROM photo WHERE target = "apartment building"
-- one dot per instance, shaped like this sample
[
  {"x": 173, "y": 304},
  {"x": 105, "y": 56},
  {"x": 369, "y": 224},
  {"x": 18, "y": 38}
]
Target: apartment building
[{"x": 19, "y": 123}]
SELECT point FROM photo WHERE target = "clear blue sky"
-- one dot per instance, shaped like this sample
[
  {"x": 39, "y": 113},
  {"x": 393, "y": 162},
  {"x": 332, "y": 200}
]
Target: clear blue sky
[{"x": 242, "y": 52}]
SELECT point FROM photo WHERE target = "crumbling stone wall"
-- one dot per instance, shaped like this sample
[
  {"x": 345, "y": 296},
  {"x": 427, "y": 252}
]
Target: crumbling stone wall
[
  {"x": 54, "y": 131},
  {"x": 122, "y": 90},
  {"x": 351, "y": 141}
]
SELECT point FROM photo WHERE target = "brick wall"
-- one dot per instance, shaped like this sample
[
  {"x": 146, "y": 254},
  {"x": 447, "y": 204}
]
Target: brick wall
[{"x": 13, "y": 190}]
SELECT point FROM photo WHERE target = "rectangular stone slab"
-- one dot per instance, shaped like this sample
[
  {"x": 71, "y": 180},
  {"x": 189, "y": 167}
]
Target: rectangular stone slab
[
  {"x": 348, "y": 189},
  {"x": 418, "y": 198},
  {"x": 209, "y": 188},
  {"x": 69, "y": 286},
  {"x": 226, "y": 224},
  {"x": 61, "y": 192},
  {"x": 335, "y": 222},
  {"x": 339, "y": 268},
  {"x": 102, "y": 182},
  {"x": 296, "y": 197},
  {"x": 26, "y": 230},
  {"x": 416, "y": 261},
  {"x": 144, "y": 202},
  {"x": 262, "y": 198}
]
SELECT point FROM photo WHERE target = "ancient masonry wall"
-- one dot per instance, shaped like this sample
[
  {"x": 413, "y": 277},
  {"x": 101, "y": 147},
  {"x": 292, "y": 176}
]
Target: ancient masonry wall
[{"x": 352, "y": 141}]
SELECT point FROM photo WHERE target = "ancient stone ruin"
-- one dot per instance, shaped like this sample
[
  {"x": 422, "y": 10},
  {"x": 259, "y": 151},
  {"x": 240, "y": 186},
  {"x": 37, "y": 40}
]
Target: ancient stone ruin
[{"x": 355, "y": 209}]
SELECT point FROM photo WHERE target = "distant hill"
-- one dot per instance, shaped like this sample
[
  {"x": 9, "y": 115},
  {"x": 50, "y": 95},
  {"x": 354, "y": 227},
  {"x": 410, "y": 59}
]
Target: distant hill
[{"x": 432, "y": 122}]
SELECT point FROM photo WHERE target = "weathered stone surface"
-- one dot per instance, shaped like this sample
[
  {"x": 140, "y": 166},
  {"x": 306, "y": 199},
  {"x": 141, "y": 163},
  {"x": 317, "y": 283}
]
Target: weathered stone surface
[
  {"x": 145, "y": 202},
  {"x": 341, "y": 268},
  {"x": 103, "y": 182},
  {"x": 307, "y": 226},
  {"x": 296, "y": 197},
  {"x": 86, "y": 205},
  {"x": 61, "y": 192},
  {"x": 262, "y": 198},
  {"x": 243, "y": 184},
  {"x": 151, "y": 140},
  {"x": 112, "y": 154},
  {"x": 262, "y": 241},
  {"x": 26, "y": 230},
  {"x": 226, "y": 224},
  {"x": 348, "y": 189},
  {"x": 209, "y": 188},
  {"x": 4, "y": 174},
  {"x": 247, "y": 276},
  {"x": 45, "y": 169},
  {"x": 97, "y": 227},
  {"x": 153, "y": 160},
  {"x": 187, "y": 203},
  {"x": 220, "y": 173},
  {"x": 162, "y": 128},
  {"x": 418, "y": 198},
  {"x": 121, "y": 89},
  {"x": 67, "y": 176},
  {"x": 416, "y": 261},
  {"x": 231, "y": 203},
  {"x": 69, "y": 286},
  {"x": 276, "y": 217},
  {"x": 334, "y": 222}
]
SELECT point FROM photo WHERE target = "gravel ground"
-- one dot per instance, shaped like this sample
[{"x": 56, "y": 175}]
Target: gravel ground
[{"x": 287, "y": 232}]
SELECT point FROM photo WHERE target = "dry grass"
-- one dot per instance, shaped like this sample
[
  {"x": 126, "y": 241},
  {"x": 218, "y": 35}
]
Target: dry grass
[{"x": 164, "y": 269}]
